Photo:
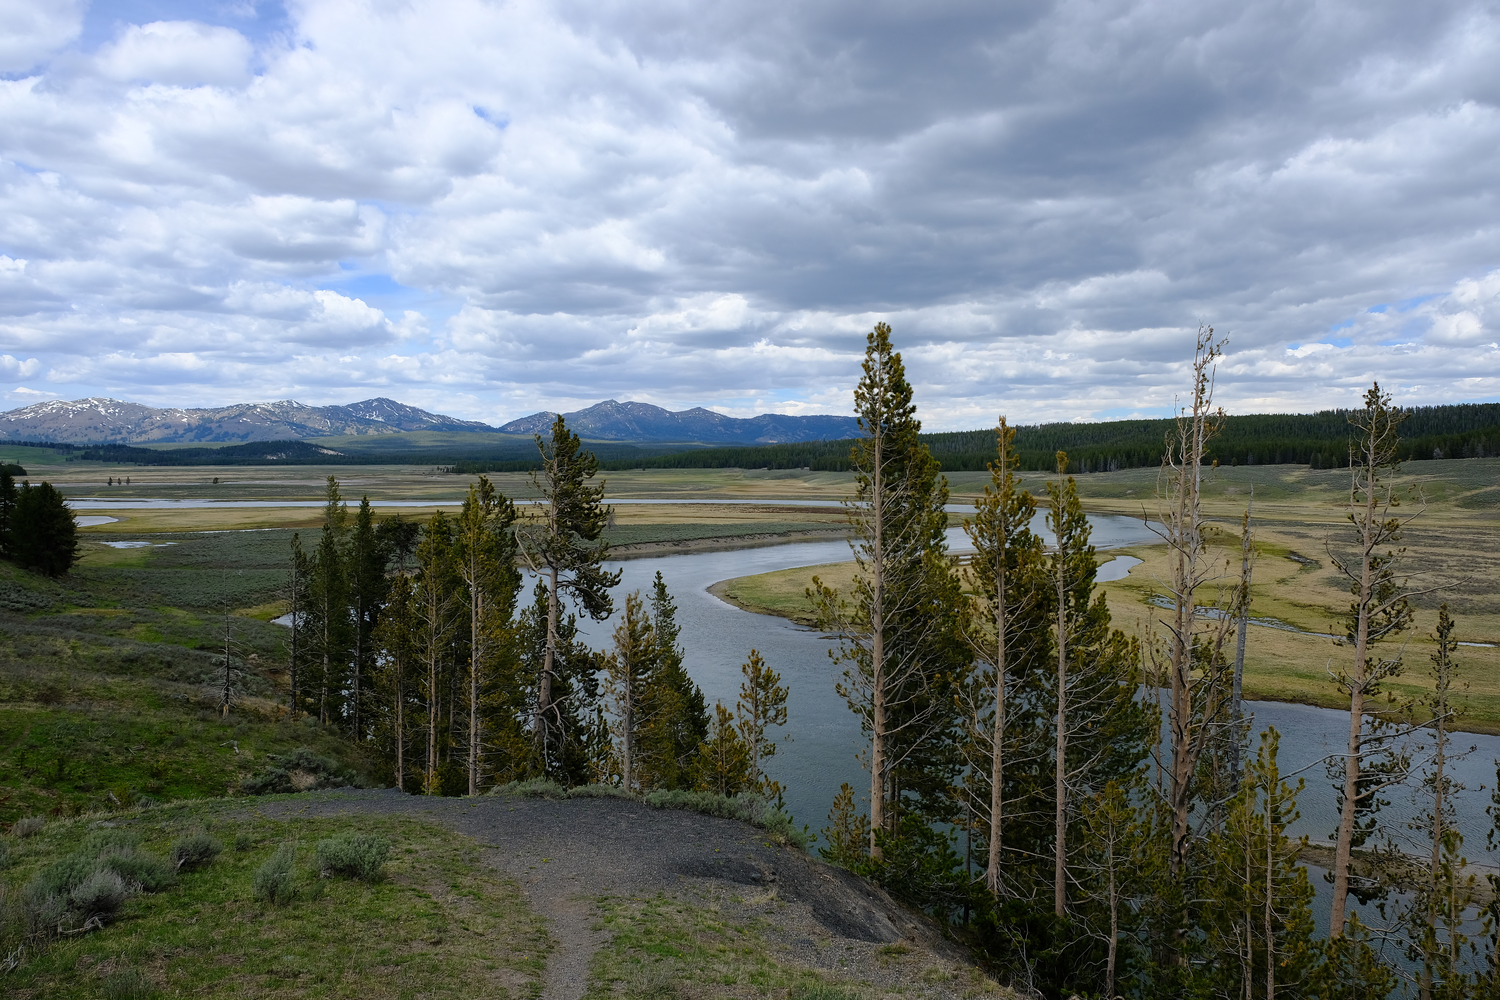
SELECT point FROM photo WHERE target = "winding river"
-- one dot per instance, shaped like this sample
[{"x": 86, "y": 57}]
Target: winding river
[{"x": 825, "y": 736}]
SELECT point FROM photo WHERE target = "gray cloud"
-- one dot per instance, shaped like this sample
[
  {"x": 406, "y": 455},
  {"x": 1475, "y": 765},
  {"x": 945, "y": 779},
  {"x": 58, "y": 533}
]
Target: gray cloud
[{"x": 495, "y": 209}]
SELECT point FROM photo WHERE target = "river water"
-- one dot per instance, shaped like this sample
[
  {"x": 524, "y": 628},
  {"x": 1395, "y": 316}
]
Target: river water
[{"x": 826, "y": 741}]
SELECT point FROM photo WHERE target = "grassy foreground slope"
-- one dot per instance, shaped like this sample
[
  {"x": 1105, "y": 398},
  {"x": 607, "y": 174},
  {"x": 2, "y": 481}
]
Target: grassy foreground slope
[
  {"x": 111, "y": 678},
  {"x": 438, "y": 923}
]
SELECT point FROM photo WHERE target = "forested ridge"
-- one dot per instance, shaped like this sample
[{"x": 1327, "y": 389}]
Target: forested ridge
[{"x": 1320, "y": 440}]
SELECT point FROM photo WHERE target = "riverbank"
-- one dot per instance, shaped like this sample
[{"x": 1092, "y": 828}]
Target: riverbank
[{"x": 1297, "y": 602}]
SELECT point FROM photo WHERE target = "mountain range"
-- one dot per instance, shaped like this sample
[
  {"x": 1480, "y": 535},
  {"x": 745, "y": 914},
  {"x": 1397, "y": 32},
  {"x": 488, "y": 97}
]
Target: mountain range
[
  {"x": 615, "y": 421},
  {"x": 101, "y": 420}
]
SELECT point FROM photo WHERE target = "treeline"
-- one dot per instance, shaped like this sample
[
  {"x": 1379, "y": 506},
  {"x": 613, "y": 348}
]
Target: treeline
[
  {"x": 1319, "y": 440},
  {"x": 423, "y": 643}
]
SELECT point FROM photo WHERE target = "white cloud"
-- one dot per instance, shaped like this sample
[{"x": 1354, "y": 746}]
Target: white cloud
[
  {"x": 503, "y": 208},
  {"x": 183, "y": 53},
  {"x": 30, "y": 31}
]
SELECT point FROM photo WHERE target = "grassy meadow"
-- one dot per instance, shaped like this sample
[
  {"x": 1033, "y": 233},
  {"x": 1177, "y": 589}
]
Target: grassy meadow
[
  {"x": 1454, "y": 544},
  {"x": 437, "y": 923}
]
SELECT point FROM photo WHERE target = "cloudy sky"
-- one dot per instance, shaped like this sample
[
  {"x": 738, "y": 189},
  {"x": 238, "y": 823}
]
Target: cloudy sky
[{"x": 490, "y": 208}]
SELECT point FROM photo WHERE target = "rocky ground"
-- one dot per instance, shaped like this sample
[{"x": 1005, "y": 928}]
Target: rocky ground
[{"x": 568, "y": 855}]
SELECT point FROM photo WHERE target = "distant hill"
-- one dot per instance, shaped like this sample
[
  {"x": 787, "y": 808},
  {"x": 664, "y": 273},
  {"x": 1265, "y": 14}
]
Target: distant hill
[
  {"x": 100, "y": 420},
  {"x": 615, "y": 421}
]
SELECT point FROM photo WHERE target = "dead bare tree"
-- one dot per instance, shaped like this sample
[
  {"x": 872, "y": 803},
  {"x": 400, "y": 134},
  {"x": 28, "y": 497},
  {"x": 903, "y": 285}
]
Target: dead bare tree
[{"x": 1197, "y": 711}]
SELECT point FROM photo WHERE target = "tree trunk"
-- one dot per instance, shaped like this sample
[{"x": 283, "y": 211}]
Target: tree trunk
[
  {"x": 432, "y": 718},
  {"x": 1270, "y": 901},
  {"x": 476, "y": 654},
  {"x": 997, "y": 750},
  {"x": 1241, "y": 628},
  {"x": 877, "y": 650},
  {"x": 1344, "y": 848},
  {"x": 1060, "y": 817},
  {"x": 549, "y": 661},
  {"x": 359, "y": 655},
  {"x": 399, "y": 719}
]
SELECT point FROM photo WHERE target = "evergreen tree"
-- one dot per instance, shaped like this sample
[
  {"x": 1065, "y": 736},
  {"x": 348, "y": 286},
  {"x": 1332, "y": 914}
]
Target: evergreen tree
[
  {"x": 762, "y": 704},
  {"x": 847, "y": 834},
  {"x": 395, "y": 658},
  {"x": 1259, "y": 913},
  {"x": 8, "y": 498},
  {"x": 1433, "y": 916},
  {"x": 330, "y": 624},
  {"x": 1100, "y": 730},
  {"x": 485, "y": 561},
  {"x": 580, "y": 743},
  {"x": 1380, "y": 610},
  {"x": 628, "y": 674},
  {"x": 675, "y": 720},
  {"x": 298, "y": 598},
  {"x": 43, "y": 532},
  {"x": 436, "y": 607},
  {"x": 723, "y": 763},
  {"x": 561, "y": 544},
  {"x": 898, "y": 632},
  {"x": 367, "y": 559},
  {"x": 1005, "y": 631}
]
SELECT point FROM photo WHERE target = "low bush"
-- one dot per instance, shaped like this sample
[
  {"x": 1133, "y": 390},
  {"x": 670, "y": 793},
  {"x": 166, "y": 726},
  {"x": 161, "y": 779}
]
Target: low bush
[
  {"x": 275, "y": 880},
  {"x": 27, "y": 827},
  {"x": 194, "y": 851},
  {"x": 301, "y": 770},
  {"x": 532, "y": 788},
  {"x": 90, "y": 885},
  {"x": 99, "y": 896},
  {"x": 745, "y": 807},
  {"x": 128, "y": 984},
  {"x": 358, "y": 855}
]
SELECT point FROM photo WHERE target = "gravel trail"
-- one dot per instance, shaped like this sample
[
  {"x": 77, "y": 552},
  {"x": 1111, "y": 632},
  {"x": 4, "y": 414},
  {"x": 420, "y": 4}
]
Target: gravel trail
[{"x": 566, "y": 853}]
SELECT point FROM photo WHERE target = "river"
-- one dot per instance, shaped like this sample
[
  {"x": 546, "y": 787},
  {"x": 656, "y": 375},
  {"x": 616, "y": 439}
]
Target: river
[{"x": 825, "y": 739}]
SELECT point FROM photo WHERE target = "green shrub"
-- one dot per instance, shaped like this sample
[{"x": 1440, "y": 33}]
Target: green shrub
[
  {"x": 358, "y": 855},
  {"x": 532, "y": 788},
  {"x": 243, "y": 842},
  {"x": 194, "y": 851},
  {"x": 298, "y": 771},
  {"x": 28, "y": 826},
  {"x": 275, "y": 880},
  {"x": 151, "y": 873},
  {"x": 744, "y": 807},
  {"x": 128, "y": 984},
  {"x": 100, "y": 895}
]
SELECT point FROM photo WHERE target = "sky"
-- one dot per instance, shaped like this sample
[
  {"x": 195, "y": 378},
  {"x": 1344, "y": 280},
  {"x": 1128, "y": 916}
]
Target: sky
[{"x": 492, "y": 208}]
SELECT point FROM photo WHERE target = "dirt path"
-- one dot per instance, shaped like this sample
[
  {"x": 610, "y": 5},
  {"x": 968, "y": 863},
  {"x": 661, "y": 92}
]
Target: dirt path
[{"x": 564, "y": 854}]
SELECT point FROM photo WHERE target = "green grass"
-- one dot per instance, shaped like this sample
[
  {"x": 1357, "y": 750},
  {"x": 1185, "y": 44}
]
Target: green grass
[
  {"x": 667, "y": 947},
  {"x": 439, "y": 923},
  {"x": 68, "y": 740}
]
